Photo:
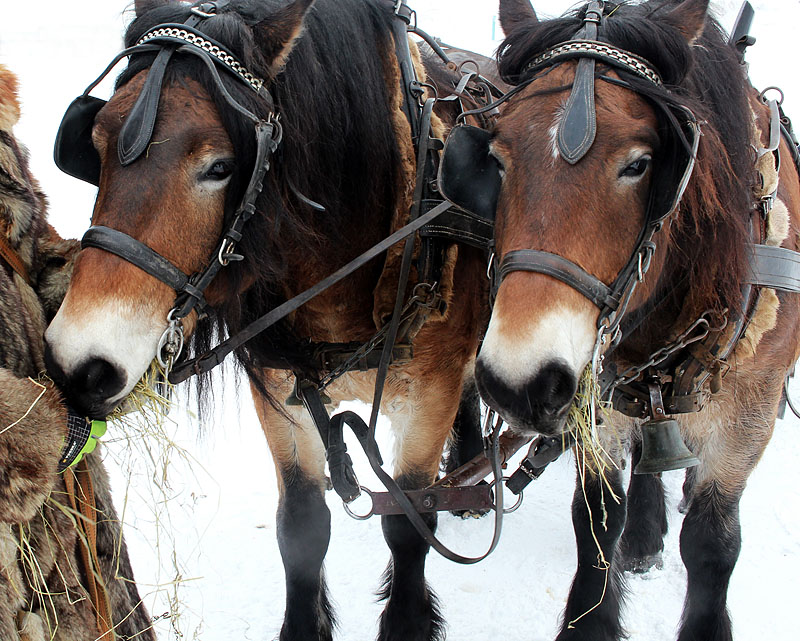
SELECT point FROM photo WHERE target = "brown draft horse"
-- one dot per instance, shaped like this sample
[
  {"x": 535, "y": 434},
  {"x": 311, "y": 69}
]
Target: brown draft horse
[
  {"x": 334, "y": 76},
  {"x": 589, "y": 209}
]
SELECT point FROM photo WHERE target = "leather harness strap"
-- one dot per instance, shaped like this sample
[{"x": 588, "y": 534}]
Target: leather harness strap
[
  {"x": 80, "y": 491},
  {"x": 13, "y": 259},
  {"x": 532, "y": 260},
  {"x": 775, "y": 267}
]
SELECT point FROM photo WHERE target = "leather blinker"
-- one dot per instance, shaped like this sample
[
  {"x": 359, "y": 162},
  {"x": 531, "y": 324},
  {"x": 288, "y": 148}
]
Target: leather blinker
[
  {"x": 578, "y": 128},
  {"x": 74, "y": 153},
  {"x": 469, "y": 176},
  {"x": 135, "y": 135}
]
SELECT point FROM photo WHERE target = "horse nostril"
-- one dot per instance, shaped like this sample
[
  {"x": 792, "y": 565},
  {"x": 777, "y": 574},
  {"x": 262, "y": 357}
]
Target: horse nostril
[
  {"x": 553, "y": 388},
  {"x": 97, "y": 379},
  {"x": 88, "y": 387}
]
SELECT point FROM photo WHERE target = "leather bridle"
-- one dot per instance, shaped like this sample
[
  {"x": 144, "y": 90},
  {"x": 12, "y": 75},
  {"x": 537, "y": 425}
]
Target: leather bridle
[
  {"x": 575, "y": 137},
  {"x": 165, "y": 40}
]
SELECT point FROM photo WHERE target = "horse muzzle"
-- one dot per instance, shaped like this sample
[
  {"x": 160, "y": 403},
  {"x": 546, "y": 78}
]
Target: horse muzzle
[
  {"x": 539, "y": 405},
  {"x": 93, "y": 388}
]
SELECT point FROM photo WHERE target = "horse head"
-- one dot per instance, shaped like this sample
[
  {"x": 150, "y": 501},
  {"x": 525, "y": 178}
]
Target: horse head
[
  {"x": 176, "y": 151},
  {"x": 596, "y": 147}
]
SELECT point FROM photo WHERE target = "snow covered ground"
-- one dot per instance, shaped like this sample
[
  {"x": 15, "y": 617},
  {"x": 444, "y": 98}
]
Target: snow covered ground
[{"x": 208, "y": 540}]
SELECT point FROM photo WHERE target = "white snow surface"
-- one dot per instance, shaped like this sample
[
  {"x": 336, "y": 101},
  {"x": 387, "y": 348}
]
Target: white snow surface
[{"x": 217, "y": 513}]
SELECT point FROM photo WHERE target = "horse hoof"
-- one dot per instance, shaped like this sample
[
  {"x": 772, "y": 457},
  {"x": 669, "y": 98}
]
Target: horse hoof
[
  {"x": 643, "y": 564},
  {"x": 470, "y": 514}
]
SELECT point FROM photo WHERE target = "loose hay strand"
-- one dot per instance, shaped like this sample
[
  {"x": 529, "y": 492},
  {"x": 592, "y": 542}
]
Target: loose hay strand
[
  {"x": 144, "y": 443},
  {"x": 590, "y": 453},
  {"x": 581, "y": 423},
  {"x": 141, "y": 429},
  {"x": 30, "y": 409}
]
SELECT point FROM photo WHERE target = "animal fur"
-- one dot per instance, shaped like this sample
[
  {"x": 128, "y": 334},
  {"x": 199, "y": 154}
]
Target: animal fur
[{"x": 42, "y": 597}]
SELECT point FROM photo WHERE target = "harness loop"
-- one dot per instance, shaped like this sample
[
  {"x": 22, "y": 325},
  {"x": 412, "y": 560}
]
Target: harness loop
[{"x": 170, "y": 345}]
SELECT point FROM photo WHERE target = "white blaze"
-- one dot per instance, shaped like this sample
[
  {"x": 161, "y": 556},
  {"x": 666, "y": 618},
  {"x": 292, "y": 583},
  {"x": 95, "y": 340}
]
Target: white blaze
[
  {"x": 118, "y": 333},
  {"x": 515, "y": 357}
]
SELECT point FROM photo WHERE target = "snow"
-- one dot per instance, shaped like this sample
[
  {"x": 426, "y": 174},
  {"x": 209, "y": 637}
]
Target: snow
[{"x": 217, "y": 513}]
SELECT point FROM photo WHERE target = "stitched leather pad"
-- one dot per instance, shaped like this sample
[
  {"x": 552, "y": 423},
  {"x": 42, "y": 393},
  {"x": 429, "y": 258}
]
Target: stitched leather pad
[
  {"x": 74, "y": 153},
  {"x": 469, "y": 177}
]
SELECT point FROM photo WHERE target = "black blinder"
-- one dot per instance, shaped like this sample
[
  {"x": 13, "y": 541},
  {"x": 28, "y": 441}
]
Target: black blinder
[
  {"x": 74, "y": 153},
  {"x": 469, "y": 176}
]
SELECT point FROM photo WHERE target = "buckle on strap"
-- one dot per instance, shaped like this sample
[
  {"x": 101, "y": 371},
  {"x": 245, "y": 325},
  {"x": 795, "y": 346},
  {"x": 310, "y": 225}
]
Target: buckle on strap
[{"x": 209, "y": 9}]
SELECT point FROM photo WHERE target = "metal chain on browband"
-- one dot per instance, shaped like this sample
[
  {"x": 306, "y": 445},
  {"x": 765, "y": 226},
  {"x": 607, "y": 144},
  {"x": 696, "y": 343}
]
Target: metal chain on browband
[{"x": 180, "y": 34}]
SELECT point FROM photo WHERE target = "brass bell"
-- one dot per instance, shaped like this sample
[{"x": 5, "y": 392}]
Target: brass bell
[{"x": 663, "y": 448}]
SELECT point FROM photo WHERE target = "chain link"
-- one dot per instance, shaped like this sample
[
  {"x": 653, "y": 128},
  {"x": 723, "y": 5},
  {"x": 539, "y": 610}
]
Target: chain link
[
  {"x": 198, "y": 41},
  {"x": 423, "y": 296},
  {"x": 684, "y": 340}
]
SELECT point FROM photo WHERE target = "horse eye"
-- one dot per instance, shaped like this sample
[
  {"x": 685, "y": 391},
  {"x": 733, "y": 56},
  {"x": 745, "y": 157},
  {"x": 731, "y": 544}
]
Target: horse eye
[
  {"x": 220, "y": 170},
  {"x": 636, "y": 168},
  {"x": 500, "y": 166}
]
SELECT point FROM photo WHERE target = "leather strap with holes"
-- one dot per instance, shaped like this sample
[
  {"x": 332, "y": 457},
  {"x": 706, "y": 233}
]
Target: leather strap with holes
[
  {"x": 80, "y": 492},
  {"x": 12, "y": 258}
]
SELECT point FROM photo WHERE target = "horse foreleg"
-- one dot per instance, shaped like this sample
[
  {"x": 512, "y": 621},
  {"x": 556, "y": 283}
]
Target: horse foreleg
[
  {"x": 466, "y": 441},
  {"x": 710, "y": 544},
  {"x": 303, "y": 521},
  {"x": 643, "y": 538},
  {"x": 422, "y": 426},
  {"x": 593, "y": 606},
  {"x": 711, "y": 534}
]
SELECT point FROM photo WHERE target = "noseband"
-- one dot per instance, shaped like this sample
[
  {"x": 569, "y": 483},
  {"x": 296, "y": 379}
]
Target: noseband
[
  {"x": 75, "y": 154},
  {"x": 575, "y": 138}
]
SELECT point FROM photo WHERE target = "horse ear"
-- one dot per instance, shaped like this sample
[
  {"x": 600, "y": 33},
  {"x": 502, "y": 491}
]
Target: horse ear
[
  {"x": 143, "y": 6},
  {"x": 515, "y": 13},
  {"x": 689, "y": 17},
  {"x": 277, "y": 33}
]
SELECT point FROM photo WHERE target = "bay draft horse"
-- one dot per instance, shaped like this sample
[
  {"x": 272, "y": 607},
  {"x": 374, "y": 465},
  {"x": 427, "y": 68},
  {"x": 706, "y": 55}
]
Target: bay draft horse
[
  {"x": 581, "y": 203},
  {"x": 333, "y": 74}
]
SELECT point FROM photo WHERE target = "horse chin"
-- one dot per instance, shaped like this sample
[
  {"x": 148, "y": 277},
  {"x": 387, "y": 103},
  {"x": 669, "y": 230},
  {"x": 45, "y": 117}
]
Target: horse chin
[{"x": 554, "y": 427}]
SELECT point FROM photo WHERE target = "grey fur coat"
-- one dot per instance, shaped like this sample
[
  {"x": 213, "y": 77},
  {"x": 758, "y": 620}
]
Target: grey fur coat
[{"x": 42, "y": 596}]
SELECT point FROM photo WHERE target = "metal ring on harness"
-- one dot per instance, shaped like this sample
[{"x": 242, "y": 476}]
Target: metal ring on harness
[
  {"x": 361, "y": 517},
  {"x": 517, "y": 503}
]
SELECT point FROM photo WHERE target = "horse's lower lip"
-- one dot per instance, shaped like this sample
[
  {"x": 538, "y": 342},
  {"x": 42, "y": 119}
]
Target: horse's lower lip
[
  {"x": 527, "y": 429},
  {"x": 94, "y": 411}
]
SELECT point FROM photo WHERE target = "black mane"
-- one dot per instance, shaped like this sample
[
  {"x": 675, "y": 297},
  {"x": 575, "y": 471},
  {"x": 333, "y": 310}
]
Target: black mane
[
  {"x": 708, "y": 79},
  {"x": 338, "y": 145}
]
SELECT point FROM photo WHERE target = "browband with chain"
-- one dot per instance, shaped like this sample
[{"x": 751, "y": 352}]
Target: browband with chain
[
  {"x": 182, "y": 34},
  {"x": 599, "y": 51}
]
